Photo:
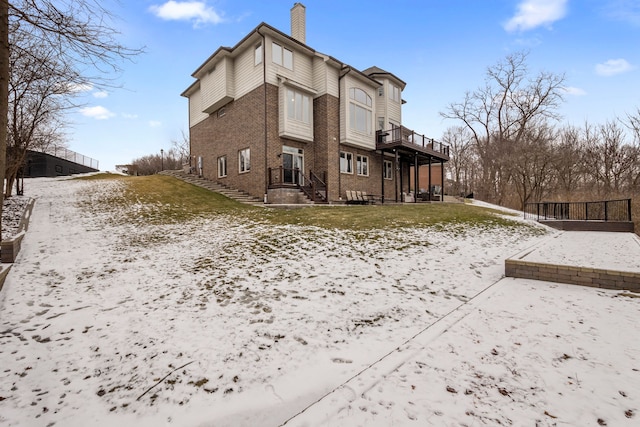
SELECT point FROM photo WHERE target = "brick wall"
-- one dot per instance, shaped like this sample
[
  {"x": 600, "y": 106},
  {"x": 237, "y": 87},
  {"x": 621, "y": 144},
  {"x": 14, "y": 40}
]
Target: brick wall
[
  {"x": 242, "y": 126},
  {"x": 326, "y": 129},
  {"x": 584, "y": 276}
]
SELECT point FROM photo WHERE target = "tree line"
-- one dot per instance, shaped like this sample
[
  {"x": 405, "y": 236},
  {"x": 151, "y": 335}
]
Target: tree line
[
  {"x": 508, "y": 147},
  {"x": 171, "y": 159}
]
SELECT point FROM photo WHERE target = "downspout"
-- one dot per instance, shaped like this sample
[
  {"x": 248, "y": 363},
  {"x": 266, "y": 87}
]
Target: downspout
[{"x": 264, "y": 82}]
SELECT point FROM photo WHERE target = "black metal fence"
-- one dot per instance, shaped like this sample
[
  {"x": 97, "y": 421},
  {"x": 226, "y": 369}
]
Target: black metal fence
[{"x": 608, "y": 210}]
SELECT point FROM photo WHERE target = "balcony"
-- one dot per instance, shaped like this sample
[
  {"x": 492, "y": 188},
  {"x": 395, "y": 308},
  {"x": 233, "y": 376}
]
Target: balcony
[{"x": 405, "y": 139}]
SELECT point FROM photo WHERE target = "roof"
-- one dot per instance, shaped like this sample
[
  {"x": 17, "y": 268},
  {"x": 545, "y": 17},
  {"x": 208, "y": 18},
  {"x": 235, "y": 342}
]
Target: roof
[
  {"x": 376, "y": 71},
  {"x": 368, "y": 74}
]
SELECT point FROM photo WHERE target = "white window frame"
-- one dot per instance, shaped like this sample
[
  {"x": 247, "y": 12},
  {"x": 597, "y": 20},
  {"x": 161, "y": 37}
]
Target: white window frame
[
  {"x": 282, "y": 56},
  {"x": 244, "y": 160},
  {"x": 362, "y": 165},
  {"x": 298, "y": 105},
  {"x": 387, "y": 169},
  {"x": 360, "y": 111},
  {"x": 257, "y": 55},
  {"x": 346, "y": 162},
  {"x": 222, "y": 166}
]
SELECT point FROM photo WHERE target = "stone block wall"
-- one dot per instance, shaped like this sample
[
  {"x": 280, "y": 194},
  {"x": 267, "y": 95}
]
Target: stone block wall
[{"x": 585, "y": 276}]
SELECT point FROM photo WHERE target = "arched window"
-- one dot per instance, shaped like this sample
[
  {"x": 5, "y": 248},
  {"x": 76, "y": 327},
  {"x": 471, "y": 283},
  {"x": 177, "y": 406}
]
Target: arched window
[{"x": 360, "y": 113}]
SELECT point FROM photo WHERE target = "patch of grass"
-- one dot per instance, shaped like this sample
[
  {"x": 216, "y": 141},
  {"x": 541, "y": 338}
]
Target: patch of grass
[
  {"x": 160, "y": 199},
  {"x": 389, "y": 216},
  {"x": 164, "y": 199}
]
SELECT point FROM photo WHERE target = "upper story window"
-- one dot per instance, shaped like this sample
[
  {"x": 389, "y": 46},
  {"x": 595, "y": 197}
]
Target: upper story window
[
  {"x": 395, "y": 93},
  {"x": 360, "y": 113},
  {"x": 282, "y": 56},
  {"x": 298, "y": 106},
  {"x": 257, "y": 54}
]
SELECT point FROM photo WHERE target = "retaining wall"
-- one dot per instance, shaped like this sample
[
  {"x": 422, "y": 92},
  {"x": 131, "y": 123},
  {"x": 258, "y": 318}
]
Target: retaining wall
[{"x": 585, "y": 276}]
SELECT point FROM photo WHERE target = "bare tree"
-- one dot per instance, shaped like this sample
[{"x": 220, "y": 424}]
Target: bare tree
[
  {"x": 81, "y": 31},
  {"x": 531, "y": 165},
  {"x": 154, "y": 163},
  {"x": 181, "y": 147},
  {"x": 461, "y": 152},
  {"x": 39, "y": 94},
  {"x": 499, "y": 114},
  {"x": 568, "y": 161},
  {"x": 610, "y": 158}
]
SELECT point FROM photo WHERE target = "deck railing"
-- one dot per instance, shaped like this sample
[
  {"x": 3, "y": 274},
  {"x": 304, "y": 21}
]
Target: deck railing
[
  {"x": 607, "y": 210},
  {"x": 282, "y": 176},
  {"x": 404, "y": 135}
]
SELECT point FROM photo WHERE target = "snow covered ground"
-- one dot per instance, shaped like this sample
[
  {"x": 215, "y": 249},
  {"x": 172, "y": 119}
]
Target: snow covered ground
[{"x": 220, "y": 322}]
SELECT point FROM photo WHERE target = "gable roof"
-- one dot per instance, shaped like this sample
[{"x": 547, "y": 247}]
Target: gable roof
[{"x": 375, "y": 71}]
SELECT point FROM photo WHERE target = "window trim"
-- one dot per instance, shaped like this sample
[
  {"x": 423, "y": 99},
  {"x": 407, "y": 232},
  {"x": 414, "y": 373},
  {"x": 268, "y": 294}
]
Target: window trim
[
  {"x": 384, "y": 169},
  {"x": 222, "y": 164},
  {"x": 244, "y": 160},
  {"x": 301, "y": 103},
  {"x": 396, "y": 93},
  {"x": 284, "y": 58},
  {"x": 360, "y": 105},
  {"x": 361, "y": 161},
  {"x": 348, "y": 156},
  {"x": 258, "y": 54}
]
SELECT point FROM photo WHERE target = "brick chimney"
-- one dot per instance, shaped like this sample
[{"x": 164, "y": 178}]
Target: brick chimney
[{"x": 298, "y": 24}]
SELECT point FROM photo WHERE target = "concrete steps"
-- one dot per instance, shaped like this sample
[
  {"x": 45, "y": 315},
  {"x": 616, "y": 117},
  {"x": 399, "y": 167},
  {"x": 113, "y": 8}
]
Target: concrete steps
[{"x": 236, "y": 195}]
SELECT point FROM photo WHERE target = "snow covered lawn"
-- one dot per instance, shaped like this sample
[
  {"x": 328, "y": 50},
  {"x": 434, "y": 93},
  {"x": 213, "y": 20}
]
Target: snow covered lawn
[{"x": 223, "y": 321}]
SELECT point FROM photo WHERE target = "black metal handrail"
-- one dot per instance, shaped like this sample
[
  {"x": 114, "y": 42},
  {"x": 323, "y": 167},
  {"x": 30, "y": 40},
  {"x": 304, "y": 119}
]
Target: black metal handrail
[
  {"x": 282, "y": 176},
  {"x": 605, "y": 210},
  {"x": 407, "y": 136}
]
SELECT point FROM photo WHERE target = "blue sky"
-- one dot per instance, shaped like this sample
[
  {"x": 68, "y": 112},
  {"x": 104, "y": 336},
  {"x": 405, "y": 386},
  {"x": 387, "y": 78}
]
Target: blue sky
[{"x": 440, "y": 48}]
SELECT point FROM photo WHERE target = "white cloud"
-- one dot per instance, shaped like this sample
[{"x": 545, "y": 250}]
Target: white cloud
[
  {"x": 613, "y": 67},
  {"x": 576, "y": 91},
  {"x": 129, "y": 116},
  {"x": 155, "y": 123},
  {"x": 534, "y": 13},
  {"x": 196, "y": 11},
  {"x": 100, "y": 94},
  {"x": 98, "y": 112}
]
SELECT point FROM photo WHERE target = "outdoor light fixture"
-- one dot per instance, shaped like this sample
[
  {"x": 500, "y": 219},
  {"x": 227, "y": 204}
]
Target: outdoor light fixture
[{"x": 161, "y": 159}]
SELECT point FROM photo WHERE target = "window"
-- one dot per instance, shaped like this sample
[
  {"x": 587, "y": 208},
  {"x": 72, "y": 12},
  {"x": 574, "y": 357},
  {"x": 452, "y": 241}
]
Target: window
[
  {"x": 360, "y": 115},
  {"x": 282, "y": 56},
  {"x": 346, "y": 162},
  {"x": 381, "y": 91},
  {"x": 395, "y": 93},
  {"x": 298, "y": 106},
  {"x": 258, "y": 54},
  {"x": 362, "y": 164},
  {"x": 380, "y": 123},
  {"x": 388, "y": 170},
  {"x": 222, "y": 166},
  {"x": 244, "y": 160}
]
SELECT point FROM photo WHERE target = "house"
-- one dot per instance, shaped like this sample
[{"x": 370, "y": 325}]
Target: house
[{"x": 279, "y": 120}]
